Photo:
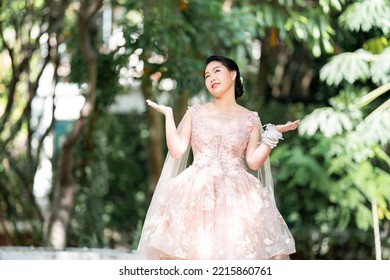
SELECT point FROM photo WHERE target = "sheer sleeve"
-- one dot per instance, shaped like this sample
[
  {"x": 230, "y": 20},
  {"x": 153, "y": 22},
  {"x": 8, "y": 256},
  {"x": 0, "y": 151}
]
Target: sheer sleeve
[
  {"x": 264, "y": 173},
  {"x": 254, "y": 121}
]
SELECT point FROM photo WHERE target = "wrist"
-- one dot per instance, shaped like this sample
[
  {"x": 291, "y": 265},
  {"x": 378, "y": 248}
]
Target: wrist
[
  {"x": 168, "y": 112},
  {"x": 271, "y": 136}
]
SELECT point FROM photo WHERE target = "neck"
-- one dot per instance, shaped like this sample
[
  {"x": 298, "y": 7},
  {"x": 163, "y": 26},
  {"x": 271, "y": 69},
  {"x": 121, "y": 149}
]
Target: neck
[{"x": 225, "y": 104}]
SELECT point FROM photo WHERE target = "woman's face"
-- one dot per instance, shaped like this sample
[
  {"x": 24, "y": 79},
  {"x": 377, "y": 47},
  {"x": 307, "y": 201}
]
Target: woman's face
[{"x": 219, "y": 79}]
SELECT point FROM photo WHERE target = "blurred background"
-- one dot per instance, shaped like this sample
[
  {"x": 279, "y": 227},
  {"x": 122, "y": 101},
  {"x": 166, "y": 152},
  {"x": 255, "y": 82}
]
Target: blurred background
[{"x": 80, "y": 153}]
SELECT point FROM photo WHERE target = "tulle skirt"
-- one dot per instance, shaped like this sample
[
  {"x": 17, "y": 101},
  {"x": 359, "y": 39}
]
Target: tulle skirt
[{"x": 212, "y": 214}]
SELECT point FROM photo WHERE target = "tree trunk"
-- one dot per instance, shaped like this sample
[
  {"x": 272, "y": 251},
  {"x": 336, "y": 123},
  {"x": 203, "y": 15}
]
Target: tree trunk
[
  {"x": 156, "y": 131},
  {"x": 182, "y": 105},
  {"x": 65, "y": 188},
  {"x": 267, "y": 56}
]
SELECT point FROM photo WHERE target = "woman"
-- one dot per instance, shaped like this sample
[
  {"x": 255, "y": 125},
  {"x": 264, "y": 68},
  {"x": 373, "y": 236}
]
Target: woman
[{"x": 215, "y": 209}]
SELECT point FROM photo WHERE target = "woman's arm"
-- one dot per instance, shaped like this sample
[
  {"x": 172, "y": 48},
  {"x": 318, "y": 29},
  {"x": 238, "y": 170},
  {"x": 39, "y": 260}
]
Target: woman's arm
[
  {"x": 257, "y": 153},
  {"x": 177, "y": 141}
]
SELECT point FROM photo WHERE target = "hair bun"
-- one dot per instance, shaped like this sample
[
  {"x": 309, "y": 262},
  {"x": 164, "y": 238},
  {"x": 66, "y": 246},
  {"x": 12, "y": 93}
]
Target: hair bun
[{"x": 238, "y": 87}]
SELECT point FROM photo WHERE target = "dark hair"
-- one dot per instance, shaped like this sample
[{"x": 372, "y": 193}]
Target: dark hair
[{"x": 232, "y": 66}]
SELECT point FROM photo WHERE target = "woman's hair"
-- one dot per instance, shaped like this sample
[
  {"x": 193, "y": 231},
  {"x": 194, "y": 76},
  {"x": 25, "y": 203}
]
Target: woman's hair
[{"x": 232, "y": 66}]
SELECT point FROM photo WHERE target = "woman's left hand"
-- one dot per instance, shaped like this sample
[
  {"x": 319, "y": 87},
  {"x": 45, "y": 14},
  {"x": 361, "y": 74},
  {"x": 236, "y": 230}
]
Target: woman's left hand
[{"x": 287, "y": 126}]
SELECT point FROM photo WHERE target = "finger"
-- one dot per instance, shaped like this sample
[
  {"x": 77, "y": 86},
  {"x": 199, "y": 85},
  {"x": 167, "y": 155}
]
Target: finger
[
  {"x": 295, "y": 123},
  {"x": 150, "y": 102},
  {"x": 153, "y": 104}
]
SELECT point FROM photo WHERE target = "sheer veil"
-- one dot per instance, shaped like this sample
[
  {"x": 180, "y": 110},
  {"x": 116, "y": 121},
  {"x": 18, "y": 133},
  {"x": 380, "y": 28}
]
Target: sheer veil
[{"x": 172, "y": 167}]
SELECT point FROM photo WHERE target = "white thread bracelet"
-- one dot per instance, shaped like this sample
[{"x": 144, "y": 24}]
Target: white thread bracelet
[{"x": 271, "y": 136}]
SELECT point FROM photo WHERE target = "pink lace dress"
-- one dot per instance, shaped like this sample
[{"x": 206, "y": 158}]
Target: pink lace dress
[{"x": 216, "y": 208}]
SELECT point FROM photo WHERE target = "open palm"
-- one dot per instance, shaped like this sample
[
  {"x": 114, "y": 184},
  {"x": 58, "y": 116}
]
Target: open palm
[
  {"x": 161, "y": 108},
  {"x": 287, "y": 126}
]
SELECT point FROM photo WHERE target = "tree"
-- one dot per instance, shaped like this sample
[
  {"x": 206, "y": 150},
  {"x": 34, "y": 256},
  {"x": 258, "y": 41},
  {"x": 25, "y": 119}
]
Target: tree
[
  {"x": 65, "y": 188},
  {"x": 29, "y": 40},
  {"x": 289, "y": 39}
]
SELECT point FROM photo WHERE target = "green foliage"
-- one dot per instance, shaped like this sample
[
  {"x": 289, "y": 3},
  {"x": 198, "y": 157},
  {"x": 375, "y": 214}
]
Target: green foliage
[
  {"x": 351, "y": 159},
  {"x": 376, "y": 45},
  {"x": 350, "y": 138},
  {"x": 328, "y": 5},
  {"x": 372, "y": 60},
  {"x": 311, "y": 25},
  {"x": 348, "y": 67},
  {"x": 376, "y": 15},
  {"x": 108, "y": 73},
  {"x": 313, "y": 28},
  {"x": 351, "y": 144},
  {"x": 112, "y": 189},
  {"x": 380, "y": 67},
  {"x": 26, "y": 51},
  {"x": 174, "y": 39},
  {"x": 108, "y": 86},
  {"x": 357, "y": 66},
  {"x": 329, "y": 121}
]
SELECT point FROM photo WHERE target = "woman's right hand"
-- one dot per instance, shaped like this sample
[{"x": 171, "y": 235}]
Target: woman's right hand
[{"x": 166, "y": 110}]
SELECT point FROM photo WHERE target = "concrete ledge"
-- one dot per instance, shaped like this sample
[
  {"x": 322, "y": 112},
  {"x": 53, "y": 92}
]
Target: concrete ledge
[{"x": 40, "y": 253}]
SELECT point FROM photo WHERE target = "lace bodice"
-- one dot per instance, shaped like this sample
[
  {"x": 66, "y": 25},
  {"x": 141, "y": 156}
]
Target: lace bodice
[{"x": 219, "y": 142}]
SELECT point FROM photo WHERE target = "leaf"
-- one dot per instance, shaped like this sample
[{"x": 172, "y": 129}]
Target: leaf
[
  {"x": 363, "y": 218},
  {"x": 329, "y": 121},
  {"x": 375, "y": 130},
  {"x": 376, "y": 45},
  {"x": 353, "y": 198},
  {"x": 347, "y": 66},
  {"x": 376, "y": 15},
  {"x": 344, "y": 218},
  {"x": 380, "y": 68}
]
